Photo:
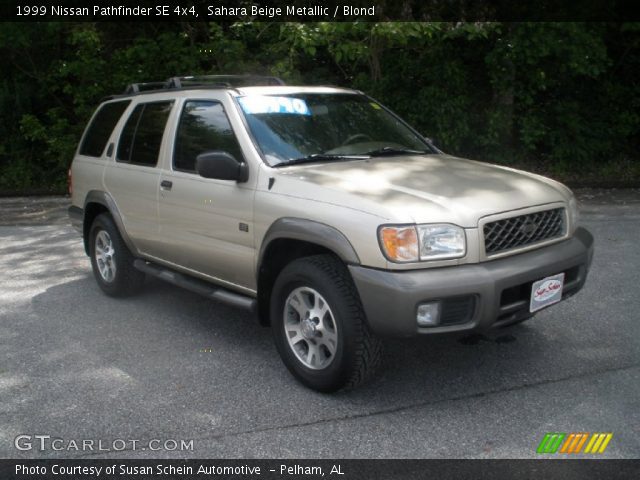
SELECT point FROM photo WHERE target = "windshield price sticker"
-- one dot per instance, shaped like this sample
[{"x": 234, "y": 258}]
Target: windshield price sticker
[{"x": 269, "y": 104}]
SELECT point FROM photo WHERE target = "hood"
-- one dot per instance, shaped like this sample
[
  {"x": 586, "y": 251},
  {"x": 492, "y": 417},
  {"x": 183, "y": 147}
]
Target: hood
[{"x": 422, "y": 189}]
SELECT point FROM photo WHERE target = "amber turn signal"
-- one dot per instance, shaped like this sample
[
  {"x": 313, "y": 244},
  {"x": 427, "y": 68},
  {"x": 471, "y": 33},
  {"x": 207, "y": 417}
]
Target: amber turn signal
[{"x": 400, "y": 244}]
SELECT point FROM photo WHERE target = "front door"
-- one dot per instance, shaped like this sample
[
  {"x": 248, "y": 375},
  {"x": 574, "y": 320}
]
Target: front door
[{"x": 206, "y": 225}]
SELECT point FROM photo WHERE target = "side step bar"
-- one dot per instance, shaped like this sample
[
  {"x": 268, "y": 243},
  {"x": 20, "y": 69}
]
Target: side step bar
[{"x": 196, "y": 285}]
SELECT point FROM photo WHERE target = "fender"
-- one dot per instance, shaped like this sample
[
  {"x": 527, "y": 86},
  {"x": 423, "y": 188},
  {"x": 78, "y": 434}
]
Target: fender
[
  {"x": 312, "y": 232},
  {"x": 105, "y": 199}
]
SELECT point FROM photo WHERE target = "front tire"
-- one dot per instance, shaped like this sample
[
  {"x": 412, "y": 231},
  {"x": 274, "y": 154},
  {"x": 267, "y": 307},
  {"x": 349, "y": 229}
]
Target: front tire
[
  {"x": 319, "y": 325},
  {"x": 111, "y": 260}
]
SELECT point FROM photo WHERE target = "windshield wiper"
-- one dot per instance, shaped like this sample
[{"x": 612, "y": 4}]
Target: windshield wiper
[
  {"x": 381, "y": 152},
  {"x": 328, "y": 157},
  {"x": 320, "y": 157}
]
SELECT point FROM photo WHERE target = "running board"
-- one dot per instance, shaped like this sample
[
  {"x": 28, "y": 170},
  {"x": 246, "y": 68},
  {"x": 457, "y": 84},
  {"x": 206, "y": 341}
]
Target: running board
[{"x": 197, "y": 286}]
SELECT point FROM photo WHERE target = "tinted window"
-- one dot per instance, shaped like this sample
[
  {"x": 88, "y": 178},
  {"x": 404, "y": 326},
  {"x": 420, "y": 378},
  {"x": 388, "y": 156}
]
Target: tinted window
[
  {"x": 101, "y": 127},
  {"x": 126, "y": 137},
  {"x": 203, "y": 127},
  {"x": 142, "y": 134}
]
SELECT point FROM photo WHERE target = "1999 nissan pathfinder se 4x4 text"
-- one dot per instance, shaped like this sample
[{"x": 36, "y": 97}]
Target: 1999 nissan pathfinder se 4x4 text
[{"x": 322, "y": 211}]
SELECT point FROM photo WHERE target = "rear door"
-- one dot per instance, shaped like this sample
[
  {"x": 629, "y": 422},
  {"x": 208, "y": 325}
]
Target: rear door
[
  {"x": 206, "y": 225},
  {"x": 132, "y": 180}
]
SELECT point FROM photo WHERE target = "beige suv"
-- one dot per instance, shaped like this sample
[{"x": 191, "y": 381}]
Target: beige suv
[{"x": 320, "y": 210}]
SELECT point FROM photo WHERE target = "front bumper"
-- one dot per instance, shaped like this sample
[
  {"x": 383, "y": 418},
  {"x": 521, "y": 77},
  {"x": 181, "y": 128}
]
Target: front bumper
[{"x": 474, "y": 296}]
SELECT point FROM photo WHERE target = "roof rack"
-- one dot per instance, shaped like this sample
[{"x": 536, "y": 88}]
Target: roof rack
[
  {"x": 143, "y": 87},
  {"x": 212, "y": 81}
]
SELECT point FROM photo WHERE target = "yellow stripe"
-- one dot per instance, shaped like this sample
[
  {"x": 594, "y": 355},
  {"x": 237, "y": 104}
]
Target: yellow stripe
[
  {"x": 591, "y": 442},
  {"x": 567, "y": 442},
  {"x": 598, "y": 442},
  {"x": 605, "y": 443},
  {"x": 584, "y": 439}
]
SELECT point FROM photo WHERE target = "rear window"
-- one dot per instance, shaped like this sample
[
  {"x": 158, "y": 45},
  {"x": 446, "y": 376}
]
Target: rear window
[
  {"x": 100, "y": 128},
  {"x": 142, "y": 134}
]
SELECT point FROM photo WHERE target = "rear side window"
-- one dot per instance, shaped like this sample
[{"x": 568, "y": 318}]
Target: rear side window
[
  {"x": 101, "y": 126},
  {"x": 141, "y": 136},
  {"x": 203, "y": 127}
]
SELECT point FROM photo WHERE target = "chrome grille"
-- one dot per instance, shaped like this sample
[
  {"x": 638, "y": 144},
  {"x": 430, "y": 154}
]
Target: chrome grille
[{"x": 523, "y": 230}]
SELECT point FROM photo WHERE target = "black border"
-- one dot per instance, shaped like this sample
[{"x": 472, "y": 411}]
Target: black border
[
  {"x": 542, "y": 469},
  {"x": 333, "y": 10}
]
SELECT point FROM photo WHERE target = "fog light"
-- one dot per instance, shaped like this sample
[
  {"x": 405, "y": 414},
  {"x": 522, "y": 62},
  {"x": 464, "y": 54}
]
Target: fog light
[{"x": 428, "y": 314}]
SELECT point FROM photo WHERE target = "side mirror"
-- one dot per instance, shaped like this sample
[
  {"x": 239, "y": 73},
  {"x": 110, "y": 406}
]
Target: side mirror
[{"x": 221, "y": 166}]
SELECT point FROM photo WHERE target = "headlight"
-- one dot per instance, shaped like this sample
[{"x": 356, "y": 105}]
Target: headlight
[
  {"x": 412, "y": 243},
  {"x": 441, "y": 241},
  {"x": 574, "y": 214}
]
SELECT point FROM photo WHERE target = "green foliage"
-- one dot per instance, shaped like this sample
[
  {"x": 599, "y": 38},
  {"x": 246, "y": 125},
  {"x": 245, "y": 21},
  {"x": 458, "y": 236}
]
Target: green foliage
[{"x": 558, "y": 97}]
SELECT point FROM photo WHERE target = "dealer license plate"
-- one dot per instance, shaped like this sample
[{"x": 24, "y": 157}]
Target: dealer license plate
[{"x": 546, "y": 292}]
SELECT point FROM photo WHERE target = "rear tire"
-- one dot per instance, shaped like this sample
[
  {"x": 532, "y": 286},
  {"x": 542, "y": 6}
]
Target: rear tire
[
  {"x": 111, "y": 260},
  {"x": 319, "y": 325}
]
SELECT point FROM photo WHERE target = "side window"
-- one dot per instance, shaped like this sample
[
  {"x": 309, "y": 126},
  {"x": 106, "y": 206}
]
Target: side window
[
  {"x": 141, "y": 136},
  {"x": 203, "y": 127},
  {"x": 101, "y": 126},
  {"x": 128, "y": 132}
]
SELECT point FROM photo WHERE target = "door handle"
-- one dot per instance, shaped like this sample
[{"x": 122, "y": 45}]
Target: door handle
[{"x": 166, "y": 184}]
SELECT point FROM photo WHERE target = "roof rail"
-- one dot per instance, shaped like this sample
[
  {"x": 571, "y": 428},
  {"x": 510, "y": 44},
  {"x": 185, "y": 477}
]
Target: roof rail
[
  {"x": 143, "y": 87},
  {"x": 220, "y": 81},
  {"x": 224, "y": 81}
]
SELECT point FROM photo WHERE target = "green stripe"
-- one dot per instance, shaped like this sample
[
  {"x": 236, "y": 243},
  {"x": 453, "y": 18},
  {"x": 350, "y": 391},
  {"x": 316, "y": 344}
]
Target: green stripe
[
  {"x": 553, "y": 448},
  {"x": 543, "y": 443},
  {"x": 552, "y": 440}
]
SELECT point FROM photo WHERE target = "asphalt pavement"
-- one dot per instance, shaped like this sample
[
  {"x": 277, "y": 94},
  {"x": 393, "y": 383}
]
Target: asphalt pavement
[{"x": 169, "y": 365}]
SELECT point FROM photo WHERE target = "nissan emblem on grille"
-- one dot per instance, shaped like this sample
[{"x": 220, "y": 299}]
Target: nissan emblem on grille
[
  {"x": 528, "y": 227},
  {"x": 523, "y": 230}
]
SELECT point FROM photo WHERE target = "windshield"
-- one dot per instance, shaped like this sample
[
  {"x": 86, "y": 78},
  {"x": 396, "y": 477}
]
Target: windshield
[{"x": 323, "y": 127}]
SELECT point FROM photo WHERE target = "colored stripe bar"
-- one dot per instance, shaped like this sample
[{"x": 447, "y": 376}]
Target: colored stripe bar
[
  {"x": 565, "y": 445},
  {"x": 598, "y": 442},
  {"x": 596, "y": 445},
  {"x": 553, "y": 445},
  {"x": 605, "y": 442},
  {"x": 574, "y": 444},
  {"x": 581, "y": 443},
  {"x": 594, "y": 437},
  {"x": 543, "y": 443}
]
